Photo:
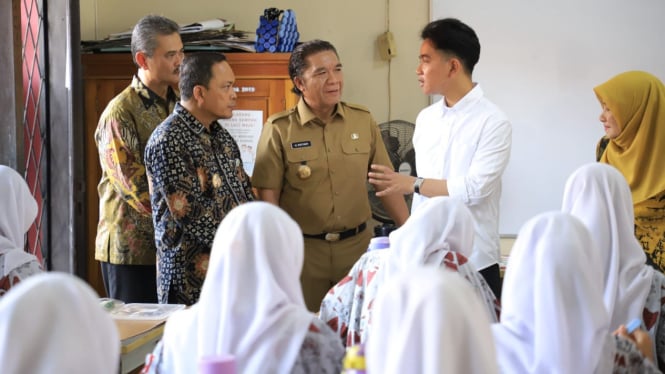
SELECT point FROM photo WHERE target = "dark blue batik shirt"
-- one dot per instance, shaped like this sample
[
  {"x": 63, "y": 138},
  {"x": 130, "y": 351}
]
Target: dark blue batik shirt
[{"x": 196, "y": 177}]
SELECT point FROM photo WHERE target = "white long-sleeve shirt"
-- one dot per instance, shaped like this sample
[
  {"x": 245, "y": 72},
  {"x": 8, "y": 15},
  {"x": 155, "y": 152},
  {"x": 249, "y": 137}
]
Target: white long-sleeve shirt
[{"x": 468, "y": 145}]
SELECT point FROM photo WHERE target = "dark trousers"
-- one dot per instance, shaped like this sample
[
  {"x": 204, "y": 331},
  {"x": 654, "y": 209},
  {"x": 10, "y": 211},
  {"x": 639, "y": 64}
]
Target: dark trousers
[
  {"x": 492, "y": 276},
  {"x": 130, "y": 283}
]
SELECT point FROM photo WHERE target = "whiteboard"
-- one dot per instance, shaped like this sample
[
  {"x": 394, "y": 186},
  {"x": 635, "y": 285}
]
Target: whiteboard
[{"x": 539, "y": 62}]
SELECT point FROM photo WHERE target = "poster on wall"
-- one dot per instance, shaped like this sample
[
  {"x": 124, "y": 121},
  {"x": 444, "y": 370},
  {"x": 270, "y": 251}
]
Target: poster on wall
[{"x": 245, "y": 127}]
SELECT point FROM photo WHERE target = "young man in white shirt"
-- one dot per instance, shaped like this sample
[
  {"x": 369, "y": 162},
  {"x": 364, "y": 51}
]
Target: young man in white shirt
[{"x": 462, "y": 141}]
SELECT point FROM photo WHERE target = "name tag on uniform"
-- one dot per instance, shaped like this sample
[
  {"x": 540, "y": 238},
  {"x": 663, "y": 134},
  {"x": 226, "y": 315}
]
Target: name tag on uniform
[{"x": 304, "y": 144}]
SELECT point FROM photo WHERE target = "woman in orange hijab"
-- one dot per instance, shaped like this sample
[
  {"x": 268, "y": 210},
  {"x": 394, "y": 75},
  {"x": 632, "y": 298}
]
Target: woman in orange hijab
[{"x": 634, "y": 119}]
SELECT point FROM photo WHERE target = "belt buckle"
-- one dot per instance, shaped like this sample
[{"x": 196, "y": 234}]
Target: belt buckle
[{"x": 332, "y": 236}]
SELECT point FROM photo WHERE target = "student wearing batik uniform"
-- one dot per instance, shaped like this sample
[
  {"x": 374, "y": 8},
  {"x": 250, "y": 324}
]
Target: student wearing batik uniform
[
  {"x": 125, "y": 243},
  {"x": 53, "y": 323},
  {"x": 440, "y": 233},
  {"x": 251, "y": 305},
  {"x": 429, "y": 321},
  {"x": 600, "y": 197},
  {"x": 553, "y": 319},
  {"x": 19, "y": 210},
  {"x": 196, "y": 176}
]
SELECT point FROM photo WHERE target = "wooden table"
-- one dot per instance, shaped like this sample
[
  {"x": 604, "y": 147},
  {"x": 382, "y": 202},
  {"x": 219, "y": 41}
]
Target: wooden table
[{"x": 138, "y": 338}]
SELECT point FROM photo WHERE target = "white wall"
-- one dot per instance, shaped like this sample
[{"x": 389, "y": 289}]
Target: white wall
[
  {"x": 351, "y": 25},
  {"x": 539, "y": 62}
]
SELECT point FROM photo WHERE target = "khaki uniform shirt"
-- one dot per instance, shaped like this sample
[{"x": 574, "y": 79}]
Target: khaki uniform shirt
[
  {"x": 125, "y": 233},
  {"x": 338, "y": 154}
]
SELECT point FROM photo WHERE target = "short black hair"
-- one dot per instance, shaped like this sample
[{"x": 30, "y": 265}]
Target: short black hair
[
  {"x": 146, "y": 30},
  {"x": 298, "y": 60},
  {"x": 454, "y": 37},
  {"x": 196, "y": 70}
]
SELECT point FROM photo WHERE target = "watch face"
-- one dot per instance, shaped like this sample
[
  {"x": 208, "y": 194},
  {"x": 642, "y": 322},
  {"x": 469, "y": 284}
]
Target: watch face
[{"x": 417, "y": 184}]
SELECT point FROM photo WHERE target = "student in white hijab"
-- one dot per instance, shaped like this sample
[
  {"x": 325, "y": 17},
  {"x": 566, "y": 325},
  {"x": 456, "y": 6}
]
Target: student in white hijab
[
  {"x": 553, "y": 319},
  {"x": 18, "y": 210},
  {"x": 251, "y": 303},
  {"x": 599, "y": 196},
  {"x": 53, "y": 323},
  {"x": 440, "y": 232},
  {"x": 429, "y": 321}
]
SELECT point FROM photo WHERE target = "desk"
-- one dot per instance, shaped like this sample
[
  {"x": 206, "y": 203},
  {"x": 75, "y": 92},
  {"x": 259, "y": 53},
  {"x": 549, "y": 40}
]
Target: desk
[{"x": 138, "y": 338}]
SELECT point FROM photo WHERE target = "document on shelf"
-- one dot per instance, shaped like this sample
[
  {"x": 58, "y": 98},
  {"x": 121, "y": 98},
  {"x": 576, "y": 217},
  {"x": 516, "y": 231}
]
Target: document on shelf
[
  {"x": 207, "y": 25},
  {"x": 216, "y": 24}
]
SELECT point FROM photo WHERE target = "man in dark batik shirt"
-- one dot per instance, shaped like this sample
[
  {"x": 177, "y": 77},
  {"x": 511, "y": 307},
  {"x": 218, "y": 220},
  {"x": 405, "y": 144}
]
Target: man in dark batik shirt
[{"x": 196, "y": 176}]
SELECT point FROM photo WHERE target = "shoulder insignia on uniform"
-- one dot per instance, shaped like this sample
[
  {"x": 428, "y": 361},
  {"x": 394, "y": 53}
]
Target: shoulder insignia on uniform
[
  {"x": 357, "y": 106},
  {"x": 279, "y": 115}
]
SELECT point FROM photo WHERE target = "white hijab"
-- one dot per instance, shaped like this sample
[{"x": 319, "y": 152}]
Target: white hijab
[
  {"x": 53, "y": 323},
  {"x": 429, "y": 321},
  {"x": 18, "y": 210},
  {"x": 553, "y": 319},
  {"x": 599, "y": 195},
  {"x": 440, "y": 224},
  {"x": 251, "y": 303}
]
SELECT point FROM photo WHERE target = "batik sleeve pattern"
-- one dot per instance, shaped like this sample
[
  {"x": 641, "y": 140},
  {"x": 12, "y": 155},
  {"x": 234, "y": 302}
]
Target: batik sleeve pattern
[
  {"x": 346, "y": 307},
  {"x": 650, "y": 229},
  {"x": 196, "y": 178},
  {"x": 321, "y": 351},
  {"x": 628, "y": 359},
  {"x": 125, "y": 232},
  {"x": 652, "y": 316},
  {"x": 122, "y": 161},
  {"x": 17, "y": 275},
  {"x": 457, "y": 262}
]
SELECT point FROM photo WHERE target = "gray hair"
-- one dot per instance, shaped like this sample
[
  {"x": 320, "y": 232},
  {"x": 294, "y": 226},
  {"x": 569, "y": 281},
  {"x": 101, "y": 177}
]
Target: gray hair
[{"x": 146, "y": 30}]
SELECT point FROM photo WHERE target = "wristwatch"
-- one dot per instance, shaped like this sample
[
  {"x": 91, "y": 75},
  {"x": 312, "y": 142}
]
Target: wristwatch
[{"x": 416, "y": 185}]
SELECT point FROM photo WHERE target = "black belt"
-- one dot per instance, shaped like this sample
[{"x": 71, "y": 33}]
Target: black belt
[{"x": 335, "y": 236}]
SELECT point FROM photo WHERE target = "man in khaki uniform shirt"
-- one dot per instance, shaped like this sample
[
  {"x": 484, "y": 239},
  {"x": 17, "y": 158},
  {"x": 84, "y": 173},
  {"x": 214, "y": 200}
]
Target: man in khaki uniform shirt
[{"x": 312, "y": 161}]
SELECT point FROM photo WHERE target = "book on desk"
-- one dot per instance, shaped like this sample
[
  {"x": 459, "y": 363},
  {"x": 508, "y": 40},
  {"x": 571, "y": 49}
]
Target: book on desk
[{"x": 140, "y": 327}]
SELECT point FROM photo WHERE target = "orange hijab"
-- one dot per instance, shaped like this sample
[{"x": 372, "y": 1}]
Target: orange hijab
[{"x": 637, "y": 102}]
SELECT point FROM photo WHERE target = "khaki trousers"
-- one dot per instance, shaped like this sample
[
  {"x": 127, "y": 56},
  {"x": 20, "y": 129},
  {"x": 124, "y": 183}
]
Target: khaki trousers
[{"x": 326, "y": 263}]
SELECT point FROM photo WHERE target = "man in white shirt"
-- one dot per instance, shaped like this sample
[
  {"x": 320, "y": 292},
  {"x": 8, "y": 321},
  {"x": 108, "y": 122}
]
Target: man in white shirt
[{"x": 462, "y": 142}]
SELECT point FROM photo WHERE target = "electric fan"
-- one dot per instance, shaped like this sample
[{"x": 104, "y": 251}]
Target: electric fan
[{"x": 396, "y": 135}]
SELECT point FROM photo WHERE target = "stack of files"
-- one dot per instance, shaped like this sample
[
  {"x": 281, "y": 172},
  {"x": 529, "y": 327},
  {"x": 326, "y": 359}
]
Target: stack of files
[
  {"x": 214, "y": 34},
  {"x": 217, "y": 24}
]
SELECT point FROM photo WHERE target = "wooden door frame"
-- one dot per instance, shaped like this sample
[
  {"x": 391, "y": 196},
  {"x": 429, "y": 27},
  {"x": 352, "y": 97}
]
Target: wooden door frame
[
  {"x": 67, "y": 164},
  {"x": 11, "y": 94}
]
